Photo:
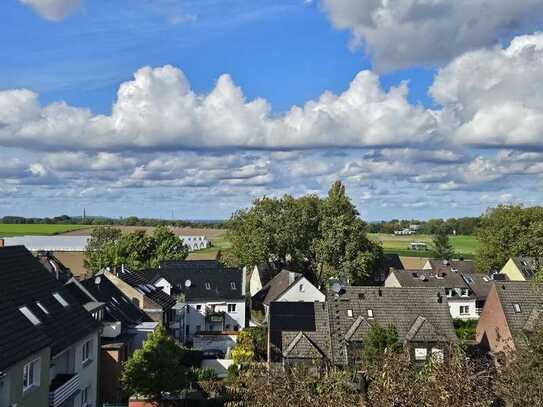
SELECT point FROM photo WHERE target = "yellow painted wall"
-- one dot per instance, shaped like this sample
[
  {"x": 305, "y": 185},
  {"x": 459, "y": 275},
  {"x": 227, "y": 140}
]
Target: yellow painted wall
[{"x": 512, "y": 272}]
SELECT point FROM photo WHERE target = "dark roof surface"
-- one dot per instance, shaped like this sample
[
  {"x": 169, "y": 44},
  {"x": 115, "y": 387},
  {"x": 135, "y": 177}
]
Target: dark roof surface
[
  {"x": 418, "y": 314},
  {"x": 527, "y": 265},
  {"x": 209, "y": 280},
  {"x": 428, "y": 278},
  {"x": 479, "y": 283},
  {"x": 19, "y": 338},
  {"x": 24, "y": 281},
  {"x": 277, "y": 286},
  {"x": 144, "y": 286},
  {"x": 118, "y": 306},
  {"x": 529, "y": 297},
  {"x": 460, "y": 266}
]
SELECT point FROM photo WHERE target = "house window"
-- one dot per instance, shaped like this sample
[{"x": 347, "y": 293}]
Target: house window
[
  {"x": 60, "y": 299},
  {"x": 85, "y": 397},
  {"x": 301, "y": 288},
  {"x": 208, "y": 286},
  {"x": 31, "y": 374},
  {"x": 370, "y": 313},
  {"x": 517, "y": 308},
  {"x": 449, "y": 292},
  {"x": 349, "y": 312},
  {"x": 30, "y": 315},
  {"x": 437, "y": 354},
  {"x": 39, "y": 304},
  {"x": 465, "y": 292},
  {"x": 464, "y": 309},
  {"x": 421, "y": 353},
  {"x": 232, "y": 285},
  {"x": 198, "y": 307},
  {"x": 86, "y": 351},
  {"x": 231, "y": 307}
]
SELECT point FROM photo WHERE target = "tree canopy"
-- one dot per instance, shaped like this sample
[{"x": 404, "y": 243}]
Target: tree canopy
[
  {"x": 321, "y": 237},
  {"x": 507, "y": 231},
  {"x": 109, "y": 247},
  {"x": 442, "y": 247}
]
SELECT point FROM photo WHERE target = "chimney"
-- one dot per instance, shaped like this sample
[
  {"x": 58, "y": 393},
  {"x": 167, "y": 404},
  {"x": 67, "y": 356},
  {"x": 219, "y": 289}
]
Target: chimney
[
  {"x": 291, "y": 277},
  {"x": 1, "y": 242}
]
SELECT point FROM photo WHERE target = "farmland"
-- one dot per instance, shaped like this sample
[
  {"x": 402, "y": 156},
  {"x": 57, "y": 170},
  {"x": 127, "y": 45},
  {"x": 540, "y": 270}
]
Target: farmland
[{"x": 36, "y": 229}]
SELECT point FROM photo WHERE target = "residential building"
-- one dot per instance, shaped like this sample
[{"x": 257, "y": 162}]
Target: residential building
[
  {"x": 63, "y": 361},
  {"x": 287, "y": 286},
  {"x": 157, "y": 304},
  {"x": 390, "y": 262},
  {"x": 210, "y": 297},
  {"x": 332, "y": 332},
  {"x": 195, "y": 242},
  {"x": 512, "y": 311},
  {"x": 261, "y": 275},
  {"x": 124, "y": 329},
  {"x": 69, "y": 250},
  {"x": 445, "y": 266},
  {"x": 522, "y": 268},
  {"x": 461, "y": 298}
]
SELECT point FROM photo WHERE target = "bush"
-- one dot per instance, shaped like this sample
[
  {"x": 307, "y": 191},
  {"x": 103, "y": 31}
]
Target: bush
[
  {"x": 465, "y": 330},
  {"x": 191, "y": 357},
  {"x": 203, "y": 374}
]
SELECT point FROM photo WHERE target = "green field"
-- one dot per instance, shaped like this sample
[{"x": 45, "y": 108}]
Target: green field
[
  {"x": 36, "y": 229},
  {"x": 465, "y": 246},
  {"x": 219, "y": 243}
]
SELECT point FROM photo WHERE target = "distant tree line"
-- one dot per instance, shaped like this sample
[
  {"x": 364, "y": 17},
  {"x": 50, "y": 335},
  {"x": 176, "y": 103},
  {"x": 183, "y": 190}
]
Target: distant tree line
[
  {"x": 462, "y": 226},
  {"x": 128, "y": 221}
]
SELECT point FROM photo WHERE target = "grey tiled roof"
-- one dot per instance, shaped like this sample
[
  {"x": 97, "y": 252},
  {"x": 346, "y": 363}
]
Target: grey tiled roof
[
  {"x": 418, "y": 314},
  {"x": 461, "y": 266},
  {"x": 527, "y": 265},
  {"x": 428, "y": 278},
  {"x": 529, "y": 297}
]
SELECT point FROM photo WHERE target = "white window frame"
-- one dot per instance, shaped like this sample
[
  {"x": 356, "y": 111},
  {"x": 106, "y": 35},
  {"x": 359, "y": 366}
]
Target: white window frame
[
  {"x": 370, "y": 313},
  {"x": 517, "y": 308},
  {"x": 60, "y": 299},
  {"x": 421, "y": 353},
  {"x": 349, "y": 312},
  {"x": 86, "y": 352},
  {"x": 231, "y": 308},
  {"x": 466, "y": 307},
  {"x": 31, "y": 374},
  {"x": 465, "y": 292}
]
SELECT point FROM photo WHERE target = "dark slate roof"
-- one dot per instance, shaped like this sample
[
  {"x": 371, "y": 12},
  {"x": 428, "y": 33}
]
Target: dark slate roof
[
  {"x": 418, "y": 314},
  {"x": 428, "y": 278},
  {"x": 23, "y": 281},
  {"x": 277, "y": 286},
  {"x": 529, "y": 297},
  {"x": 225, "y": 283},
  {"x": 479, "y": 283},
  {"x": 446, "y": 266},
  {"x": 527, "y": 265},
  {"x": 390, "y": 262},
  {"x": 288, "y": 320},
  {"x": 118, "y": 306},
  {"x": 144, "y": 286},
  {"x": 267, "y": 271},
  {"x": 19, "y": 338}
]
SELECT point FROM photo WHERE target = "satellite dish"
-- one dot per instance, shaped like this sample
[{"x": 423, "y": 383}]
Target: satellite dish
[
  {"x": 188, "y": 283},
  {"x": 97, "y": 280}
]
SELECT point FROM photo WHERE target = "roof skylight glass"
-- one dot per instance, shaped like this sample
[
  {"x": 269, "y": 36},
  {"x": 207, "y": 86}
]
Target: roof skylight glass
[
  {"x": 60, "y": 299},
  {"x": 29, "y": 315},
  {"x": 39, "y": 304}
]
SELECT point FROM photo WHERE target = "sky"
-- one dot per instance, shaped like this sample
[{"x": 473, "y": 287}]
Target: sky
[{"x": 194, "y": 108}]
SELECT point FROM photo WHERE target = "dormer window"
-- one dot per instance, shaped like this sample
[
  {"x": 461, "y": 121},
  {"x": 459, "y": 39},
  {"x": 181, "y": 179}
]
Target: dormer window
[
  {"x": 450, "y": 292},
  {"x": 207, "y": 286},
  {"x": 60, "y": 299},
  {"x": 30, "y": 315},
  {"x": 370, "y": 313},
  {"x": 465, "y": 292},
  {"x": 516, "y": 307},
  {"x": 232, "y": 285}
]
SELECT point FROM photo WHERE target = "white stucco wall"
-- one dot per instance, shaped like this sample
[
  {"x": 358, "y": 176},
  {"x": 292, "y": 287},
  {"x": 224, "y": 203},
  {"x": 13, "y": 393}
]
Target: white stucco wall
[
  {"x": 88, "y": 373},
  {"x": 165, "y": 285},
  {"x": 255, "y": 285},
  {"x": 454, "y": 308},
  {"x": 303, "y": 291},
  {"x": 220, "y": 366},
  {"x": 392, "y": 281},
  {"x": 195, "y": 317}
]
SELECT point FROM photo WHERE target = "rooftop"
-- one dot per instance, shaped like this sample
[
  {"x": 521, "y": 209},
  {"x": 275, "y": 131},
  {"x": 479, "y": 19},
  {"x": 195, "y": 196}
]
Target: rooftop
[{"x": 49, "y": 243}]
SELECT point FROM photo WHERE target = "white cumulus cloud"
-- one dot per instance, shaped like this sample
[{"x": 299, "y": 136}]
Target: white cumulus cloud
[{"x": 54, "y": 10}]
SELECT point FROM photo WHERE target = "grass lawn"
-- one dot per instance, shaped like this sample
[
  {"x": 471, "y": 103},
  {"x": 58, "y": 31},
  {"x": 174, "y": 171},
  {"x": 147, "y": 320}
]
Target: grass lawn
[
  {"x": 465, "y": 246},
  {"x": 219, "y": 243},
  {"x": 36, "y": 229}
]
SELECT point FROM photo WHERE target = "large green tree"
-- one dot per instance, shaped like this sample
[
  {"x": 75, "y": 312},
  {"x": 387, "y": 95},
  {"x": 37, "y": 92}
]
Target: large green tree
[
  {"x": 508, "y": 231},
  {"x": 322, "y": 237},
  {"x": 442, "y": 247},
  {"x": 157, "y": 368}
]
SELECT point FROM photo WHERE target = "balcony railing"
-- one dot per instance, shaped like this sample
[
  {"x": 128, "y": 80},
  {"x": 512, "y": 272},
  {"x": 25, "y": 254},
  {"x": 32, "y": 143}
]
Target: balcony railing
[{"x": 62, "y": 388}]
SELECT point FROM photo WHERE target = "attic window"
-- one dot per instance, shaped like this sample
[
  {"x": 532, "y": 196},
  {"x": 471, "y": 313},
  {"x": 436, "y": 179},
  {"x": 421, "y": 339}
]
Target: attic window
[
  {"x": 516, "y": 307},
  {"x": 370, "y": 313},
  {"x": 29, "y": 315},
  {"x": 232, "y": 285},
  {"x": 349, "y": 312},
  {"x": 208, "y": 286},
  {"x": 60, "y": 299},
  {"x": 39, "y": 304}
]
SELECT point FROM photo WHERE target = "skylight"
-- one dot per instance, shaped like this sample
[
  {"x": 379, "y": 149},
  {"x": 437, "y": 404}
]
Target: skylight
[
  {"x": 29, "y": 315},
  {"x": 516, "y": 308},
  {"x": 39, "y": 304},
  {"x": 370, "y": 313},
  {"x": 60, "y": 299}
]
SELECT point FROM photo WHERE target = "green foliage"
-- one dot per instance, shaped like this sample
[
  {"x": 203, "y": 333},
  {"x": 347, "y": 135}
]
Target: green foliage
[
  {"x": 203, "y": 374},
  {"x": 321, "y": 237},
  {"x": 108, "y": 247},
  {"x": 191, "y": 357},
  {"x": 465, "y": 329},
  {"x": 376, "y": 342},
  {"x": 508, "y": 231},
  {"x": 255, "y": 340},
  {"x": 441, "y": 246},
  {"x": 156, "y": 368}
]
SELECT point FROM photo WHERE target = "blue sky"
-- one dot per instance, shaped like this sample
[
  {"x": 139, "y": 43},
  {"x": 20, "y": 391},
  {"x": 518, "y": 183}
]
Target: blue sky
[{"x": 197, "y": 107}]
